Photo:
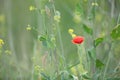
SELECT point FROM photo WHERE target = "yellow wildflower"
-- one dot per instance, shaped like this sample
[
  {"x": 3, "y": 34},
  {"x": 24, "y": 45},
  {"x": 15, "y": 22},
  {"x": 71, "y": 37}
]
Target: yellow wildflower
[
  {"x": 94, "y": 4},
  {"x": 1, "y": 42},
  {"x": 32, "y": 8},
  {"x": 38, "y": 69},
  {"x": 28, "y": 28},
  {"x": 73, "y": 35},
  {"x": 70, "y": 31},
  {"x": 74, "y": 71},
  {"x": 57, "y": 16},
  {"x": 79, "y": 68}
]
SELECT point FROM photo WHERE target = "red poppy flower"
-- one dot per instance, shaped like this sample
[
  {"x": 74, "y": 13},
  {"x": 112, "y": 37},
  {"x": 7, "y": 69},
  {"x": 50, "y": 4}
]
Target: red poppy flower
[{"x": 77, "y": 40}]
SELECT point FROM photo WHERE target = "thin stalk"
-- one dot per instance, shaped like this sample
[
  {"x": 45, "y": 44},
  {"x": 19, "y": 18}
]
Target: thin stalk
[
  {"x": 79, "y": 54},
  {"x": 61, "y": 45},
  {"x": 88, "y": 63},
  {"x": 81, "y": 58},
  {"x": 34, "y": 52},
  {"x": 118, "y": 19},
  {"x": 107, "y": 64},
  {"x": 112, "y": 8},
  {"x": 59, "y": 35},
  {"x": 41, "y": 18}
]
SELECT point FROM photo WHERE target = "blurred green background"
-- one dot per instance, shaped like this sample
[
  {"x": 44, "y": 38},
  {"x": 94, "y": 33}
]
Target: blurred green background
[{"x": 20, "y": 45}]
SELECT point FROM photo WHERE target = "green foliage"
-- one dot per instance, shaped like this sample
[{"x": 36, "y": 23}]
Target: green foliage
[
  {"x": 98, "y": 41},
  {"x": 87, "y": 29},
  {"x": 42, "y": 38},
  {"x": 92, "y": 53},
  {"x": 45, "y": 77},
  {"x": 115, "y": 34},
  {"x": 99, "y": 64},
  {"x": 85, "y": 76},
  {"x": 78, "y": 10},
  {"x": 65, "y": 76},
  {"x": 113, "y": 79},
  {"x": 47, "y": 41},
  {"x": 55, "y": 52}
]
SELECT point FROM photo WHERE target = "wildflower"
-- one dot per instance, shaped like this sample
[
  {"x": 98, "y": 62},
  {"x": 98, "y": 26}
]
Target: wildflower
[
  {"x": 77, "y": 40},
  {"x": 28, "y": 28},
  {"x": 94, "y": 4},
  {"x": 73, "y": 35},
  {"x": 53, "y": 39},
  {"x": 57, "y": 16},
  {"x": 32, "y": 8},
  {"x": 1, "y": 42},
  {"x": 38, "y": 68},
  {"x": 70, "y": 31},
  {"x": 73, "y": 70}
]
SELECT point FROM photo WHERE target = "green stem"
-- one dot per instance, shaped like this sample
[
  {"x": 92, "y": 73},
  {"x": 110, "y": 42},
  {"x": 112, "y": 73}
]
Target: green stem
[
  {"x": 61, "y": 45},
  {"x": 108, "y": 60},
  {"x": 79, "y": 54},
  {"x": 106, "y": 67},
  {"x": 118, "y": 19},
  {"x": 81, "y": 60},
  {"x": 34, "y": 52}
]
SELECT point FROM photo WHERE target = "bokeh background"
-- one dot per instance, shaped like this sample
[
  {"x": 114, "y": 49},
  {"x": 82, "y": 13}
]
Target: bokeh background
[{"x": 21, "y": 46}]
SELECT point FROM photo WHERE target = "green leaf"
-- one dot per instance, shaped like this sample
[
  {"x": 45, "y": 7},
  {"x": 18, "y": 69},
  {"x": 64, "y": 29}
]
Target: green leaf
[
  {"x": 98, "y": 41},
  {"x": 73, "y": 65},
  {"x": 78, "y": 9},
  {"x": 45, "y": 77},
  {"x": 115, "y": 34},
  {"x": 65, "y": 75},
  {"x": 99, "y": 64},
  {"x": 114, "y": 78},
  {"x": 42, "y": 38},
  {"x": 87, "y": 29},
  {"x": 92, "y": 53},
  {"x": 85, "y": 76}
]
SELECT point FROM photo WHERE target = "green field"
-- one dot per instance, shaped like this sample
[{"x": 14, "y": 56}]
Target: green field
[{"x": 59, "y": 39}]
